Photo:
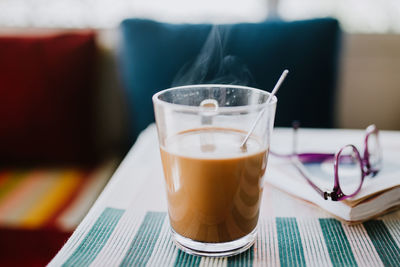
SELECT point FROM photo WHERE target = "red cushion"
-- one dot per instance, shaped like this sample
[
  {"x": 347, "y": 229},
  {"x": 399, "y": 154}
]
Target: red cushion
[{"x": 46, "y": 97}]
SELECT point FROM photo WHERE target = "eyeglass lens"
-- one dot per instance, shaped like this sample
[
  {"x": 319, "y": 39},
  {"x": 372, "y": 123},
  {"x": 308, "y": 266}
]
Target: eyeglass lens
[{"x": 349, "y": 170}]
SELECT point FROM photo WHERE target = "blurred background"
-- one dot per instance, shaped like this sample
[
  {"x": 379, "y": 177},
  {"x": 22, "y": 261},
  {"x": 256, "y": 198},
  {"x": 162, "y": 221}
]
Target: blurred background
[
  {"x": 370, "y": 53},
  {"x": 355, "y": 16},
  {"x": 64, "y": 117}
]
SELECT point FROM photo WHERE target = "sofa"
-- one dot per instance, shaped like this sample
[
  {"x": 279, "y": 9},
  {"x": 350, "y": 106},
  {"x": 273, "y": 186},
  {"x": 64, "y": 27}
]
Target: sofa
[
  {"x": 52, "y": 162},
  {"x": 156, "y": 56}
]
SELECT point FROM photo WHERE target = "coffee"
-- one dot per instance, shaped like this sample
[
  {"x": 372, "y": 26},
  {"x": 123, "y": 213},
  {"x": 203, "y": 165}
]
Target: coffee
[{"x": 214, "y": 187}]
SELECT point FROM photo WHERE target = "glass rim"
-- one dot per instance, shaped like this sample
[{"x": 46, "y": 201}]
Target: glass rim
[{"x": 181, "y": 107}]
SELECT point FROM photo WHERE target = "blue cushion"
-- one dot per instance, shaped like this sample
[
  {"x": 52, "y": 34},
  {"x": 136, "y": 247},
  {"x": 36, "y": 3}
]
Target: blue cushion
[{"x": 152, "y": 53}]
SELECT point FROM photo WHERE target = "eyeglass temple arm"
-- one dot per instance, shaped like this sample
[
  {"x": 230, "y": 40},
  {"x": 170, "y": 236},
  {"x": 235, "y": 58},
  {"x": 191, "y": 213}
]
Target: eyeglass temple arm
[
  {"x": 300, "y": 168},
  {"x": 295, "y": 125},
  {"x": 371, "y": 129},
  {"x": 315, "y": 157},
  {"x": 308, "y": 158}
]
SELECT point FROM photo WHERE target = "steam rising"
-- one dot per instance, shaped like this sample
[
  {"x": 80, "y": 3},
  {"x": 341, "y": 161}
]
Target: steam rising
[{"x": 213, "y": 65}]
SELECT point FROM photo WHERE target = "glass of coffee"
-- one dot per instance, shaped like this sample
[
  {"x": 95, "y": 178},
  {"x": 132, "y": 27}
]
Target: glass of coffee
[{"x": 214, "y": 185}]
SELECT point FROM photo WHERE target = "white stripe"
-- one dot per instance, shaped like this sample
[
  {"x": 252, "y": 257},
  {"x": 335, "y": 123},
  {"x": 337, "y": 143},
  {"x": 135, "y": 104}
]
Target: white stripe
[
  {"x": 119, "y": 242},
  {"x": 266, "y": 250},
  {"x": 345, "y": 247},
  {"x": 274, "y": 246},
  {"x": 259, "y": 246},
  {"x": 165, "y": 251},
  {"x": 393, "y": 226},
  {"x": 363, "y": 250},
  {"x": 312, "y": 239},
  {"x": 208, "y": 262}
]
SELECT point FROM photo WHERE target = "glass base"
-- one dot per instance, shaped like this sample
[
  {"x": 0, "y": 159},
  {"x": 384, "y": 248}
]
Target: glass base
[{"x": 225, "y": 249}]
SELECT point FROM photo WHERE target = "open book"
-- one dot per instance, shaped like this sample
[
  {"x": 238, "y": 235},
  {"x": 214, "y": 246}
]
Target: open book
[{"x": 378, "y": 194}]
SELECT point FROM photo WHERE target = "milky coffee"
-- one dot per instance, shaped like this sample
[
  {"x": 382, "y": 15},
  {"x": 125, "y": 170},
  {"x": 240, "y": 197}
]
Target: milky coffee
[{"x": 214, "y": 188}]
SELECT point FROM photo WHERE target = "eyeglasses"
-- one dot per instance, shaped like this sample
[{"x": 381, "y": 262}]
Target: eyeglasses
[{"x": 350, "y": 168}]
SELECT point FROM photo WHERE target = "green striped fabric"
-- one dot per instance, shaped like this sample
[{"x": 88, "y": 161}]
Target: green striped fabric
[
  {"x": 95, "y": 240},
  {"x": 280, "y": 242},
  {"x": 143, "y": 243},
  {"x": 290, "y": 249},
  {"x": 184, "y": 259},
  {"x": 383, "y": 242},
  {"x": 338, "y": 246},
  {"x": 244, "y": 259}
]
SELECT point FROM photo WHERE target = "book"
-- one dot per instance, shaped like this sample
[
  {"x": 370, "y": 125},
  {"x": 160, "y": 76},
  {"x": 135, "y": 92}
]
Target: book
[{"x": 378, "y": 195}]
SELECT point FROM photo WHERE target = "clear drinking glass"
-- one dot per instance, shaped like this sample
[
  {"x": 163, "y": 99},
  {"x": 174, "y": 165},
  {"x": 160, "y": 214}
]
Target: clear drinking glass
[{"x": 214, "y": 186}]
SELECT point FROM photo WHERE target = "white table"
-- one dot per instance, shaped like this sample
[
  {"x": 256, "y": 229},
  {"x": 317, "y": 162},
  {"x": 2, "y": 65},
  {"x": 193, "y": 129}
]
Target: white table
[{"x": 128, "y": 224}]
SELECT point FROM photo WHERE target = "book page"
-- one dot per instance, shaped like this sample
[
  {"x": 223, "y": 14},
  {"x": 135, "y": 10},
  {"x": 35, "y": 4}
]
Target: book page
[
  {"x": 330, "y": 141},
  {"x": 282, "y": 173},
  {"x": 388, "y": 177}
]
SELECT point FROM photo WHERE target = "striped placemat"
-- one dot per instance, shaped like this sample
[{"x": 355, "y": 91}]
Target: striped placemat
[{"x": 119, "y": 237}]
